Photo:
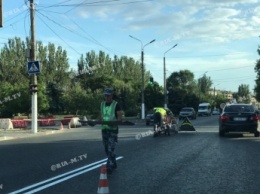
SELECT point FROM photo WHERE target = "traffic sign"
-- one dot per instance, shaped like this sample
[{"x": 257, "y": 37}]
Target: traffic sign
[
  {"x": 33, "y": 67},
  {"x": 222, "y": 105},
  {"x": 186, "y": 125}
]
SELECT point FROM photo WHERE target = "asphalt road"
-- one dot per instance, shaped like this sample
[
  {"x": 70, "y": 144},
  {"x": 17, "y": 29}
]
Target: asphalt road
[{"x": 187, "y": 162}]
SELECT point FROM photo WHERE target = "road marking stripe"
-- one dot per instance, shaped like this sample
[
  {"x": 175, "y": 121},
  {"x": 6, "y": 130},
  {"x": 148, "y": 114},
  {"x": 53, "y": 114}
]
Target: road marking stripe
[{"x": 92, "y": 167}]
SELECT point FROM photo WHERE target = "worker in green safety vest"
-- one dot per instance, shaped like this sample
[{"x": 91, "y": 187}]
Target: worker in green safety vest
[{"x": 110, "y": 110}]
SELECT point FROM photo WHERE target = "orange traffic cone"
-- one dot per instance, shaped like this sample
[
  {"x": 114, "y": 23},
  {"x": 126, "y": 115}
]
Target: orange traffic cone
[
  {"x": 61, "y": 126},
  {"x": 103, "y": 183}
]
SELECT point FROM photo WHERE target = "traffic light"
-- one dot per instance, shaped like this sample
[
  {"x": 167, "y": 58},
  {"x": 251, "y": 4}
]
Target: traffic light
[
  {"x": 33, "y": 88},
  {"x": 151, "y": 80}
]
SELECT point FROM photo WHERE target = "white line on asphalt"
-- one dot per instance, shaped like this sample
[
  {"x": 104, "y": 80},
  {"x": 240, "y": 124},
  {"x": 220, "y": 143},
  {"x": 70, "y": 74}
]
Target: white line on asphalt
[{"x": 92, "y": 166}]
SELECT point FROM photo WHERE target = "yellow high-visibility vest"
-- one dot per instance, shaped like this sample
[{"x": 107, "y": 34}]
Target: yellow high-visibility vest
[{"x": 161, "y": 110}]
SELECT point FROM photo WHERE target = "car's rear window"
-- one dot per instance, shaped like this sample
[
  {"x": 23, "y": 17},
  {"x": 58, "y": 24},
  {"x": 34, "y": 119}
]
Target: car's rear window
[
  {"x": 186, "y": 109},
  {"x": 239, "y": 108}
]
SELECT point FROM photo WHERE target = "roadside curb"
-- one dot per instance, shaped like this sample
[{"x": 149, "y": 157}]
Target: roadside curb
[{"x": 9, "y": 135}]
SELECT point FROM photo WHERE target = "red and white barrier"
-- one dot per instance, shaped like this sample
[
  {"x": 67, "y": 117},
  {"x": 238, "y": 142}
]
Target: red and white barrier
[
  {"x": 6, "y": 124},
  {"x": 19, "y": 123},
  {"x": 47, "y": 121}
]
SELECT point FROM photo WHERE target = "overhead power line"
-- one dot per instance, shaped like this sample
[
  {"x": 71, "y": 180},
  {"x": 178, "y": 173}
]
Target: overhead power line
[
  {"x": 59, "y": 36},
  {"x": 95, "y": 3},
  {"x": 91, "y": 39}
]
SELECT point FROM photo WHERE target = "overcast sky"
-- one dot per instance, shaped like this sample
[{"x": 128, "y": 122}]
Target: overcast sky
[{"x": 218, "y": 38}]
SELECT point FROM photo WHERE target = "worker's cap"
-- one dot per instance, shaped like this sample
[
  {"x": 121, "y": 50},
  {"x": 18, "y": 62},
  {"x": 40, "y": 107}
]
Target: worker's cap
[{"x": 108, "y": 91}]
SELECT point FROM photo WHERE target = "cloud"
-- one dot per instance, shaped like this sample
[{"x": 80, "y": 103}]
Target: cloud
[{"x": 205, "y": 19}]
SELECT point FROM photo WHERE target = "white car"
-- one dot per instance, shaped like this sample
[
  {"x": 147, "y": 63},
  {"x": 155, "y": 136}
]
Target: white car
[{"x": 215, "y": 112}]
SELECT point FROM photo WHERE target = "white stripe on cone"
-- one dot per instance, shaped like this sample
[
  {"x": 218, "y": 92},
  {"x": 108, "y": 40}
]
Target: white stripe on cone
[
  {"x": 103, "y": 183},
  {"x": 103, "y": 190}
]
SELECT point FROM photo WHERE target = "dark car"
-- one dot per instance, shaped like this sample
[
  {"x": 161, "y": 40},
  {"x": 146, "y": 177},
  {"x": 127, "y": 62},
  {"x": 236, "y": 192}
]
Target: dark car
[
  {"x": 187, "y": 112},
  {"x": 149, "y": 118},
  {"x": 239, "y": 118}
]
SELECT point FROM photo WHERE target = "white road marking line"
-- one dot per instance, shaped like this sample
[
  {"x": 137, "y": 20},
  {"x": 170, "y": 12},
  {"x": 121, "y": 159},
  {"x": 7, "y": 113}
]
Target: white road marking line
[{"x": 92, "y": 165}]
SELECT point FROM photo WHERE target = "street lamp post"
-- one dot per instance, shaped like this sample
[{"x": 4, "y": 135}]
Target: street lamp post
[
  {"x": 164, "y": 77},
  {"x": 142, "y": 63}
]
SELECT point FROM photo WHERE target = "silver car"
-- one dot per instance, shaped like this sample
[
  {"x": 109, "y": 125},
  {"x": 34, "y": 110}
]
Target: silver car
[{"x": 187, "y": 112}]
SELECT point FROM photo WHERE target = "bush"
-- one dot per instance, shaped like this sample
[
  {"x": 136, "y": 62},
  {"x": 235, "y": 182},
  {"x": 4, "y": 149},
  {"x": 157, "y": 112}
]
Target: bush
[{"x": 131, "y": 113}]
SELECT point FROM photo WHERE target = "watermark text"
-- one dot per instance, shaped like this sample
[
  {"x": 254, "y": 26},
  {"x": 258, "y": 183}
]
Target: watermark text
[
  {"x": 68, "y": 162},
  {"x": 171, "y": 39},
  {"x": 18, "y": 10},
  {"x": 144, "y": 134},
  {"x": 10, "y": 98}
]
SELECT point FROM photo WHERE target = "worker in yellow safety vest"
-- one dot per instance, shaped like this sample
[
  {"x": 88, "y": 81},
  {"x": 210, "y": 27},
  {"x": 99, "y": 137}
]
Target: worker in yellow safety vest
[{"x": 159, "y": 115}]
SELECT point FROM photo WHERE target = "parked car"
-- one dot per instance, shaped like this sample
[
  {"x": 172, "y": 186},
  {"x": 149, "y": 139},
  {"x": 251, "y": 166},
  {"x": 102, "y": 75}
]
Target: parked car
[
  {"x": 187, "y": 112},
  {"x": 204, "y": 109},
  {"x": 149, "y": 118},
  {"x": 239, "y": 118},
  {"x": 215, "y": 112}
]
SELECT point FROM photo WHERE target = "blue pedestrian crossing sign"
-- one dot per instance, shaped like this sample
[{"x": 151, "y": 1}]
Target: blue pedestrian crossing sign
[{"x": 33, "y": 67}]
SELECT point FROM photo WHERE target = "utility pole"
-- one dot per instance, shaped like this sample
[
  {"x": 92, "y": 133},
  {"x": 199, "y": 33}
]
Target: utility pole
[
  {"x": 1, "y": 13},
  {"x": 33, "y": 80}
]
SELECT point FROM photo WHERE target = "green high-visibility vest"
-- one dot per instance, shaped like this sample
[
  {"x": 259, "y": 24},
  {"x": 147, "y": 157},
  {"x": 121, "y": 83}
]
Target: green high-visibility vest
[{"x": 108, "y": 114}]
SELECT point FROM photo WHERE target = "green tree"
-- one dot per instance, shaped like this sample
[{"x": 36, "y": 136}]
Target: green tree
[
  {"x": 14, "y": 78},
  {"x": 243, "y": 95},
  {"x": 123, "y": 74},
  {"x": 53, "y": 79},
  {"x": 13, "y": 71},
  {"x": 182, "y": 90},
  {"x": 154, "y": 96},
  {"x": 204, "y": 85}
]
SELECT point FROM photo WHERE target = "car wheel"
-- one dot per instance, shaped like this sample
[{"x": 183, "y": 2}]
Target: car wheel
[
  {"x": 257, "y": 134},
  {"x": 221, "y": 133},
  {"x": 168, "y": 130}
]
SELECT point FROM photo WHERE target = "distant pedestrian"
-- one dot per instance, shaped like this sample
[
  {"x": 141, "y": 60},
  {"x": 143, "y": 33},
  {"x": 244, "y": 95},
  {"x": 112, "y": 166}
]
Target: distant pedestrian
[{"x": 110, "y": 110}]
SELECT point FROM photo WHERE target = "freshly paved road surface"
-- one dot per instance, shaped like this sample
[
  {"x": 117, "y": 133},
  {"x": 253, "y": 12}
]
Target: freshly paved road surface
[{"x": 187, "y": 162}]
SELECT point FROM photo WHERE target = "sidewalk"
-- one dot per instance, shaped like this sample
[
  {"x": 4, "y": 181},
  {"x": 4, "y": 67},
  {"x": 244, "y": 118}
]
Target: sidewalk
[{"x": 8, "y": 134}]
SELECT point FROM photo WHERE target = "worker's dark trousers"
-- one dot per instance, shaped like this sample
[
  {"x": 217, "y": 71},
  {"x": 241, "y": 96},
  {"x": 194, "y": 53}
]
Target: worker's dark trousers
[{"x": 110, "y": 142}]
